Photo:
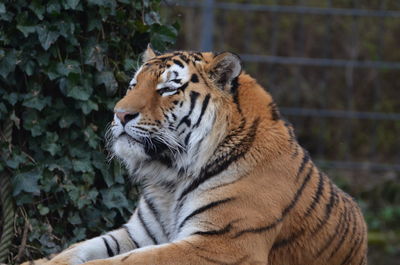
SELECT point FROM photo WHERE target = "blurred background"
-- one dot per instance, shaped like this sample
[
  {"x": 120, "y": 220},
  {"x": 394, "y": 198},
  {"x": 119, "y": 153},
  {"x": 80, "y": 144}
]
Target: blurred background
[{"x": 332, "y": 66}]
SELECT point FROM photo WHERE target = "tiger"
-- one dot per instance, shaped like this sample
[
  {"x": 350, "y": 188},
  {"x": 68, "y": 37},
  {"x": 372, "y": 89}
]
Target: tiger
[{"x": 222, "y": 176}]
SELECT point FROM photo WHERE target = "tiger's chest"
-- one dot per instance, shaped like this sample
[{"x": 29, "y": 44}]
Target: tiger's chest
[{"x": 177, "y": 212}]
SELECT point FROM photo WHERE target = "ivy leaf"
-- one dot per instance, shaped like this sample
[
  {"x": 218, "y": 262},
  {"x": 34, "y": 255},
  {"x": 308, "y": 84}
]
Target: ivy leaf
[
  {"x": 32, "y": 123},
  {"x": 46, "y": 36},
  {"x": 50, "y": 143},
  {"x": 26, "y": 30},
  {"x": 72, "y": 4},
  {"x": 15, "y": 160},
  {"x": 28, "y": 67},
  {"x": 8, "y": 61},
  {"x": 79, "y": 92},
  {"x": 69, "y": 66},
  {"x": 74, "y": 219},
  {"x": 91, "y": 137},
  {"x": 79, "y": 233},
  {"x": 82, "y": 165},
  {"x": 95, "y": 56},
  {"x": 2, "y": 8},
  {"x": 67, "y": 119},
  {"x": 114, "y": 198},
  {"x": 152, "y": 18},
  {"x": 36, "y": 101},
  {"x": 66, "y": 28},
  {"x": 43, "y": 210},
  {"x": 130, "y": 64},
  {"x": 12, "y": 98},
  {"x": 53, "y": 7},
  {"x": 26, "y": 181},
  {"x": 162, "y": 36},
  {"x": 43, "y": 59},
  {"x": 108, "y": 80},
  {"x": 37, "y": 8},
  {"x": 88, "y": 106}
]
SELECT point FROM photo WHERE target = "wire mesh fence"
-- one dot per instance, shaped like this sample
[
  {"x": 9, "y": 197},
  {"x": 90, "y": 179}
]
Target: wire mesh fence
[{"x": 328, "y": 65}]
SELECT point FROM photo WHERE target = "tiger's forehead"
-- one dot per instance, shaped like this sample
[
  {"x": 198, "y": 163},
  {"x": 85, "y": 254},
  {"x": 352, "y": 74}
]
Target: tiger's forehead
[{"x": 172, "y": 66}]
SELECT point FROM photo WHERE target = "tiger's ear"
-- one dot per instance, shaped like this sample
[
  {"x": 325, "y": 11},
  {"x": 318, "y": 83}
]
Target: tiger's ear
[
  {"x": 148, "y": 54},
  {"x": 224, "y": 68}
]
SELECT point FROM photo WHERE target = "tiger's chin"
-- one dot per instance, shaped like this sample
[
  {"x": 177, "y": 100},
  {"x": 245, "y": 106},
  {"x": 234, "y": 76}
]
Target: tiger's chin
[
  {"x": 141, "y": 166},
  {"x": 129, "y": 150}
]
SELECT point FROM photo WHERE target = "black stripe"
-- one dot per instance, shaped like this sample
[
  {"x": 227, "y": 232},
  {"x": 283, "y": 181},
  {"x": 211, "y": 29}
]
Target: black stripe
[
  {"x": 284, "y": 212},
  {"x": 289, "y": 240},
  {"x": 222, "y": 185},
  {"x": 335, "y": 233},
  {"x": 149, "y": 234},
  {"x": 222, "y": 162},
  {"x": 292, "y": 138},
  {"x": 210, "y": 260},
  {"x": 109, "y": 250},
  {"x": 126, "y": 257},
  {"x": 203, "y": 109},
  {"x": 193, "y": 97},
  {"x": 289, "y": 127},
  {"x": 296, "y": 151},
  {"x": 222, "y": 231},
  {"x": 176, "y": 80},
  {"x": 187, "y": 138},
  {"x": 116, "y": 243},
  {"x": 274, "y": 111},
  {"x": 203, "y": 209},
  {"x": 235, "y": 93},
  {"x": 343, "y": 235},
  {"x": 131, "y": 237},
  {"x": 196, "y": 58},
  {"x": 357, "y": 245},
  {"x": 183, "y": 87},
  {"x": 306, "y": 158},
  {"x": 329, "y": 207},
  {"x": 194, "y": 78},
  {"x": 362, "y": 262},
  {"x": 198, "y": 54},
  {"x": 317, "y": 195},
  {"x": 298, "y": 193},
  {"x": 184, "y": 58},
  {"x": 259, "y": 229},
  {"x": 155, "y": 213},
  {"x": 178, "y": 63}
]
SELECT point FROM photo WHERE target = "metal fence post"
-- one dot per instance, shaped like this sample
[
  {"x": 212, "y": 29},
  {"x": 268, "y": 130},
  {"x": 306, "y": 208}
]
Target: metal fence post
[{"x": 206, "y": 42}]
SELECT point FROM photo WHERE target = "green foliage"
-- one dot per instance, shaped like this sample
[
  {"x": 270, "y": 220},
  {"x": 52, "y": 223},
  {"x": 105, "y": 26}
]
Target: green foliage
[{"x": 63, "y": 65}]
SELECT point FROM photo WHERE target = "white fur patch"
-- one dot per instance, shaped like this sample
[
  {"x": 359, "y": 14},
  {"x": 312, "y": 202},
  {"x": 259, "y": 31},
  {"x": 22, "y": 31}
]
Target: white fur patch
[{"x": 173, "y": 78}]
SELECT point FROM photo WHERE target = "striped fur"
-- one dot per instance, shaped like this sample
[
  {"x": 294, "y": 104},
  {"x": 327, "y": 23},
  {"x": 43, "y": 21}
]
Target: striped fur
[{"x": 224, "y": 180}]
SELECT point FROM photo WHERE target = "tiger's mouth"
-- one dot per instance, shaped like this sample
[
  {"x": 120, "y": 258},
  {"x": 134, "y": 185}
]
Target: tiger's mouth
[
  {"x": 151, "y": 146},
  {"x": 130, "y": 138}
]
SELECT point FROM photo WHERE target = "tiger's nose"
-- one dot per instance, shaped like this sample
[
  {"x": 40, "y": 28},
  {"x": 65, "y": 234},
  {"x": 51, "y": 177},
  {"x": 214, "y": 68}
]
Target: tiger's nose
[{"x": 125, "y": 117}]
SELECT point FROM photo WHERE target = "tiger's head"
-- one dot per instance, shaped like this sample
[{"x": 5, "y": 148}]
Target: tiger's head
[{"x": 178, "y": 109}]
